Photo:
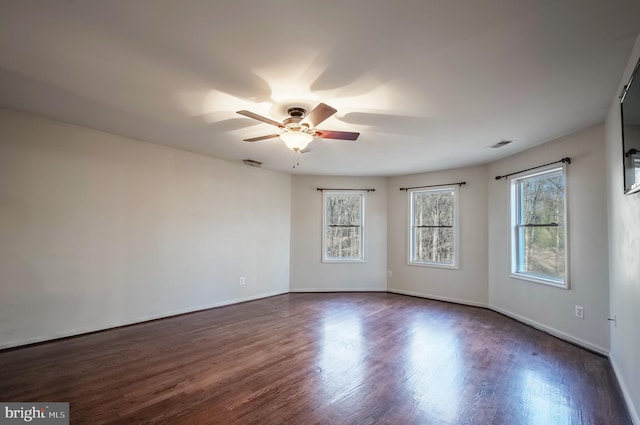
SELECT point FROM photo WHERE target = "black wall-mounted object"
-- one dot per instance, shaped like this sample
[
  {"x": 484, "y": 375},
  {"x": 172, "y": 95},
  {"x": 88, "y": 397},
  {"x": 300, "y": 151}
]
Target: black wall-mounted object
[{"x": 630, "y": 112}]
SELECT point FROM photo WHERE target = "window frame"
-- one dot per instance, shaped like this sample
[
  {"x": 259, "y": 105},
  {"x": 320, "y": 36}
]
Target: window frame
[
  {"x": 456, "y": 229},
  {"x": 516, "y": 243},
  {"x": 325, "y": 195}
]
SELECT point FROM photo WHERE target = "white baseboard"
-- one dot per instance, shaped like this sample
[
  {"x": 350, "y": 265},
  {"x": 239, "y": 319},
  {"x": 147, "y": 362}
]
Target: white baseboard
[
  {"x": 80, "y": 331},
  {"x": 552, "y": 331},
  {"x": 635, "y": 418},
  {"x": 338, "y": 290},
  {"x": 437, "y": 298}
]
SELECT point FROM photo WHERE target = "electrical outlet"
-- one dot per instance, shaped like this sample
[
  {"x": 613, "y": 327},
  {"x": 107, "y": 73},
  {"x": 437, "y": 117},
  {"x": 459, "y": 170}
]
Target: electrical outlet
[
  {"x": 388, "y": 273},
  {"x": 579, "y": 312},
  {"x": 242, "y": 280}
]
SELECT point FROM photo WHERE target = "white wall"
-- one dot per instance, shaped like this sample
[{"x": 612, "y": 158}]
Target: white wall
[
  {"x": 544, "y": 306},
  {"x": 468, "y": 283},
  {"x": 624, "y": 266},
  {"x": 98, "y": 230},
  {"x": 308, "y": 272}
]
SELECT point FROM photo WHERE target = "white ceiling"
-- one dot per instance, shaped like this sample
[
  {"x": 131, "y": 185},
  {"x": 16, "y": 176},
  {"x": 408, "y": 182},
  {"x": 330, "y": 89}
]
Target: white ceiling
[{"x": 428, "y": 83}]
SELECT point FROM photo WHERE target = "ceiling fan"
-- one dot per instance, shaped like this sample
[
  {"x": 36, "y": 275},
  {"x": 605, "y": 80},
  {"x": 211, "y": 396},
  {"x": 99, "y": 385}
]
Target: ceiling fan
[{"x": 299, "y": 128}]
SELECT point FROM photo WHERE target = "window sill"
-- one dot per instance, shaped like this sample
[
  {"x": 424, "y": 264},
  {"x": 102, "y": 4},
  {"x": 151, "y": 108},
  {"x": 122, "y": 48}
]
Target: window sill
[
  {"x": 350, "y": 260},
  {"x": 434, "y": 265},
  {"x": 541, "y": 280}
]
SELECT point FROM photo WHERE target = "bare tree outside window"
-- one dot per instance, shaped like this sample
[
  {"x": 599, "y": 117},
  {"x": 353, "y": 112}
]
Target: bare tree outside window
[
  {"x": 540, "y": 226},
  {"x": 433, "y": 227},
  {"x": 343, "y": 226}
]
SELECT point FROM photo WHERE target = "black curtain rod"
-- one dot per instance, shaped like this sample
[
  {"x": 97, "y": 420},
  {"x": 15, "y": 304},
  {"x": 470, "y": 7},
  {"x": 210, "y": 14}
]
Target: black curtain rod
[
  {"x": 434, "y": 185},
  {"x": 359, "y": 190},
  {"x": 566, "y": 160}
]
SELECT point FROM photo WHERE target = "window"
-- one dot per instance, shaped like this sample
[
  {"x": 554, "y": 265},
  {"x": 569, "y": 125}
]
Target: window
[
  {"x": 343, "y": 226},
  {"x": 538, "y": 219},
  {"x": 434, "y": 231}
]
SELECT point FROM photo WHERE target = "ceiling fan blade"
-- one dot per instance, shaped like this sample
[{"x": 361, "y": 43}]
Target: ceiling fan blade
[
  {"x": 250, "y": 114},
  {"x": 344, "y": 135},
  {"x": 255, "y": 139},
  {"x": 319, "y": 114}
]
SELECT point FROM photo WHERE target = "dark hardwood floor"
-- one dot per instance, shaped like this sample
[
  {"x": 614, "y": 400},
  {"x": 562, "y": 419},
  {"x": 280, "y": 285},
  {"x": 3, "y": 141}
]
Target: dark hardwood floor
[{"x": 351, "y": 358}]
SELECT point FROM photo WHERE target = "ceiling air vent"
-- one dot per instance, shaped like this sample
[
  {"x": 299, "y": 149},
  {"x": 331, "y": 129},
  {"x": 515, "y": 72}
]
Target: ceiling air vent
[
  {"x": 500, "y": 144},
  {"x": 252, "y": 163}
]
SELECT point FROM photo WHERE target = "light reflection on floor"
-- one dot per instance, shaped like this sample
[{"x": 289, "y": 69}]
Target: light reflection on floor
[
  {"x": 545, "y": 400},
  {"x": 341, "y": 354},
  {"x": 434, "y": 351}
]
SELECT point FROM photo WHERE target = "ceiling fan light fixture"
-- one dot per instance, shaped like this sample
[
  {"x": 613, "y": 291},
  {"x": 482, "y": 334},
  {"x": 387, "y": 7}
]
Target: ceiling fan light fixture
[{"x": 296, "y": 140}]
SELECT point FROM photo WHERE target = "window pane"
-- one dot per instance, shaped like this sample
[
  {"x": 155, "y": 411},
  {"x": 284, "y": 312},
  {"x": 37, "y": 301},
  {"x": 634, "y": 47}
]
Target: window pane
[
  {"x": 434, "y": 245},
  {"x": 343, "y": 226},
  {"x": 542, "y": 200},
  {"x": 539, "y": 238},
  {"x": 343, "y": 210},
  {"x": 343, "y": 242},
  {"x": 543, "y": 251},
  {"x": 433, "y": 208}
]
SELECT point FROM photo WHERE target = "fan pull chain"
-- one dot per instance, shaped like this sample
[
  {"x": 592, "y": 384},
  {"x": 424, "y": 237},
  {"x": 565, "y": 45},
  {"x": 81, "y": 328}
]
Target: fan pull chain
[{"x": 296, "y": 157}]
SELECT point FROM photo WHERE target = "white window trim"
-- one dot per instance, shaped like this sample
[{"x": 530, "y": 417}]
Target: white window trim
[
  {"x": 557, "y": 283},
  {"x": 325, "y": 195},
  {"x": 456, "y": 229}
]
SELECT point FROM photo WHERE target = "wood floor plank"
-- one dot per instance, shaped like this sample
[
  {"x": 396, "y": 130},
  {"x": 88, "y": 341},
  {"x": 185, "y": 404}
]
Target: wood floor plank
[{"x": 349, "y": 358}]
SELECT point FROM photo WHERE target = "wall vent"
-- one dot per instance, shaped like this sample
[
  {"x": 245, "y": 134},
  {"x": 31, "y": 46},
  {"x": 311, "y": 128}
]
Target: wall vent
[
  {"x": 252, "y": 163},
  {"x": 500, "y": 144}
]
